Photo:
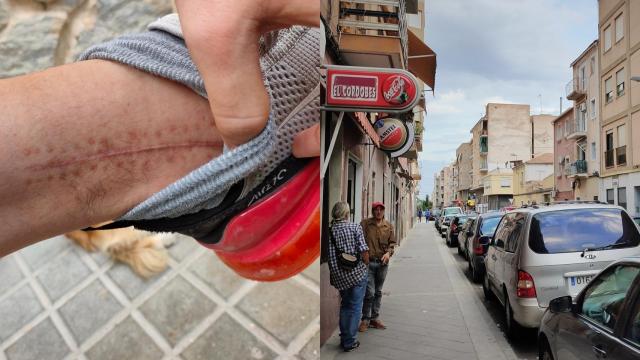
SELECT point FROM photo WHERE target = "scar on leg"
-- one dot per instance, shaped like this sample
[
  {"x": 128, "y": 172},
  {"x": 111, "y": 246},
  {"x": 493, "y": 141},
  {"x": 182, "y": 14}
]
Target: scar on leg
[{"x": 110, "y": 154}]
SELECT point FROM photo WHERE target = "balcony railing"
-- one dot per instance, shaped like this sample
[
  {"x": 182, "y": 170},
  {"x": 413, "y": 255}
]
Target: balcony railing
[
  {"x": 576, "y": 88},
  {"x": 608, "y": 158},
  {"x": 377, "y": 18},
  {"x": 578, "y": 168},
  {"x": 577, "y": 128},
  {"x": 483, "y": 165},
  {"x": 621, "y": 156}
]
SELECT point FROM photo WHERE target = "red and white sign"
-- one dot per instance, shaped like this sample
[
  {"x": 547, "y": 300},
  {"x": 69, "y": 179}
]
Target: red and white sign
[
  {"x": 351, "y": 88},
  {"x": 396, "y": 136}
]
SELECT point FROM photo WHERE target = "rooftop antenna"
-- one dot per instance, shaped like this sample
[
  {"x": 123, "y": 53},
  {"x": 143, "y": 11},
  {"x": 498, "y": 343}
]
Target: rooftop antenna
[
  {"x": 540, "y": 96},
  {"x": 560, "y": 104}
]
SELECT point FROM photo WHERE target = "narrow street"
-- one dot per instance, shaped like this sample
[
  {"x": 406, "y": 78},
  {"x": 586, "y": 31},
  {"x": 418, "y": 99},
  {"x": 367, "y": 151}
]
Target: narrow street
[{"x": 431, "y": 307}]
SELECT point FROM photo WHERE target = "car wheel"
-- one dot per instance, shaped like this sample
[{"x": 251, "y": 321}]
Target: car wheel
[
  {"x": 486, "y": 289},
  {"x": 545, "y": 352},
  {"x": 512, "y": 329}
]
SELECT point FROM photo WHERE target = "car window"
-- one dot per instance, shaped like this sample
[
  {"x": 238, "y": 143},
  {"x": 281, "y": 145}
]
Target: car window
[
  {"x": 632, "y": 332},
  {"x": 488, "y": 226},
  {"x": 605, "y": 295},
  {"x": 578, "y": 229},
  {"x": 514, "y": 234},
  {"x": 503, "y": 230}
]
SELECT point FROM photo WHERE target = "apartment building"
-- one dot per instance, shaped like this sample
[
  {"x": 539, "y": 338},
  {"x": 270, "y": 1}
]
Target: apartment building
[
  {"x": 619, "y": 61},
  {"x": 564, "y": 153},
  {"x": 448, "y": 192},
  {"x": 583, "y": 90},
  {"x": 503, "y": 135},
  {"x": 533, "y": 180},
  {"x": 382, "y": 34},
  {"x": 497, "y": 189},
  {"x": 463, "y": 163}
]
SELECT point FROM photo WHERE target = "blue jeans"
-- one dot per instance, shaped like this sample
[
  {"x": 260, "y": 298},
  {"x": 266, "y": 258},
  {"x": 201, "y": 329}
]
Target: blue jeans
[
  {"x": 373, "y": 298},
  {"x": 350, "y": 310}
]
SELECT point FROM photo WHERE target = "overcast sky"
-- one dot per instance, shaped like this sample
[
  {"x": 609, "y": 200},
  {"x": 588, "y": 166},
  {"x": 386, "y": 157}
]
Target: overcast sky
[{"x": 509, "y": 51}]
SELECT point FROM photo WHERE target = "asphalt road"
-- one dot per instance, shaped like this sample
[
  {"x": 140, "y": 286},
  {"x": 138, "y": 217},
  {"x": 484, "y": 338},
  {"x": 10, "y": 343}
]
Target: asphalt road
[{"x": 525, "y": 346}]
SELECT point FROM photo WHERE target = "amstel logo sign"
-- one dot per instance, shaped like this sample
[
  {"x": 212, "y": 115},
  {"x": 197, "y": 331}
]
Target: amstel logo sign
[
  {"x": 352, "y": 88},
  {"x": 396, "y": 136}
]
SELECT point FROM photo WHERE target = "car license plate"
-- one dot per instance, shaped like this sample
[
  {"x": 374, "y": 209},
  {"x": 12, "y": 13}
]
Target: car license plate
[{"x": 577, "y": 283}]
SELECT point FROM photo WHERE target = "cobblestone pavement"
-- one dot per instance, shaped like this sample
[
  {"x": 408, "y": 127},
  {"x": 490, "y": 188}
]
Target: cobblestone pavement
[{"x": 59, "y": 302}]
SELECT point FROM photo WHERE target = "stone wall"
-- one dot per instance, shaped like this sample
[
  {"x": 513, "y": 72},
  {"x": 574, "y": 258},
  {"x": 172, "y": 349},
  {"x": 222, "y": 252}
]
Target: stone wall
[{"x": 37, "y": 34}]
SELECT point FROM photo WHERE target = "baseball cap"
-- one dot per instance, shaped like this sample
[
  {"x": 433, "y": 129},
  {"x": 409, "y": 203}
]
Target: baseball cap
[{"x": 376, "y": 204}]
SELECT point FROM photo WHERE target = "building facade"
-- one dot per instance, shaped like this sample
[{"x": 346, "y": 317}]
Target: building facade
[
  {"x": 533, "y": 180},
  {"x": 464, "y": 162},
  {"x": 564, "y": 153},
  {"x": 583, "y": 90},
  {"x": 498, "y": 189},
  {"x": 619, "y": 103}
]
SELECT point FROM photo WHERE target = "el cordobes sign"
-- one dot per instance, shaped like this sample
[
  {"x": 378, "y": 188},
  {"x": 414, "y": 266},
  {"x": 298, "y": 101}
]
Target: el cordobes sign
[{"x": 351, "y": 88}]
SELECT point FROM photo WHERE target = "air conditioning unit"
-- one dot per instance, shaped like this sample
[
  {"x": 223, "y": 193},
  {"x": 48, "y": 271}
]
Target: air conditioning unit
[{"x": 583, "y": 107}]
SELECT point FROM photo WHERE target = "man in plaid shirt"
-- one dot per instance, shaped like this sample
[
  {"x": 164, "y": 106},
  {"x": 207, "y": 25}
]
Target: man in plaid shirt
[{"x": 352, "y": 283}]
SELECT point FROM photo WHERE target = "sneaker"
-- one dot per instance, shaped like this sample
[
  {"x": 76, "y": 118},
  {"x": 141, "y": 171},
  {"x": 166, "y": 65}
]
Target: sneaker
[
  {"x": 377, "y": 324},
  {"x": 255, "y": 205},
  {"x": 352, "y": 347}
]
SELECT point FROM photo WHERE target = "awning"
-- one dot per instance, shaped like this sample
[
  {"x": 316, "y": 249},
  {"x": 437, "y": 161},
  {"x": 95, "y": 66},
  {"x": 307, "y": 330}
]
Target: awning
[
  {"x": 365, "y": 126},
  {"x": 422, "y": 60}
]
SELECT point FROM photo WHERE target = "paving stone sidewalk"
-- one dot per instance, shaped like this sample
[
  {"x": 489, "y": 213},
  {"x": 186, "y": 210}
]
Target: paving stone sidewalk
[
  {"x": 59, "y": 302},
  {"x": 429, "y": 308}
]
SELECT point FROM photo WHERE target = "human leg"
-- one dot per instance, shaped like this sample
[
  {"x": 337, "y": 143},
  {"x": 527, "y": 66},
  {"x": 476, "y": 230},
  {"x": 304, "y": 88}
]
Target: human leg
[{"x": 350, "y": 310}]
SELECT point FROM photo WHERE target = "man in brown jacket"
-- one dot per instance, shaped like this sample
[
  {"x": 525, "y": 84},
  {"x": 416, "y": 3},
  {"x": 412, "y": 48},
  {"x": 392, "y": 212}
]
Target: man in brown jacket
[{"x": 381, "y": 242}]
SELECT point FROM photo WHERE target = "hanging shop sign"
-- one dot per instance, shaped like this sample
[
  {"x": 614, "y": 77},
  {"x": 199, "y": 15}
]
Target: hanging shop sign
[
  {"x": 351, "y": 88},
  {"x": 396, "y": 136}
]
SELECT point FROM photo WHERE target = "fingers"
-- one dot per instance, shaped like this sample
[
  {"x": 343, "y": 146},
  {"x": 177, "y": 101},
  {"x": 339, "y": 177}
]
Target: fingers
[{"x": 307, "y": 143}]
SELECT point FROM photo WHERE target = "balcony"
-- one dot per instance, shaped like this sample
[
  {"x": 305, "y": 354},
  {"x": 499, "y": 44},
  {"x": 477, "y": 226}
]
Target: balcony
[
  {"x": 621, "y": 156},
  {"x": 608, "y": 158},
  {"x": 577, "y": 88},
  {"x": 483, "y": 165},
  {"x": 577, "y": 128},
  {"x": 484, "y": 144},
  {"x": 578, "y": 169},
  {"x": 371, "y": 32}
]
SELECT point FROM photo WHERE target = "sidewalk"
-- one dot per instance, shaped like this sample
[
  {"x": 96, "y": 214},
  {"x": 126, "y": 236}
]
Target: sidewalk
[
  {"x": 429, "y": 308},
  {"x": 59, "y": 302}
]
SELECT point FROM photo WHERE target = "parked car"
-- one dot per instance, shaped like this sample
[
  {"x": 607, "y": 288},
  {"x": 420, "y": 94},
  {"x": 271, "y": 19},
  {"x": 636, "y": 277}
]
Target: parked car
[
  {"x": 540, "y": 253},
  {"x": 476, "y": 242},
  {"x": 457, "y": 222},
  {"x": 452, "y": 210},
  {"x": 637, "y": 220},
  {"x": 444, "y": 224},
  {"x": 462, "y": 236},
  {"x": 602, "y": 321}
]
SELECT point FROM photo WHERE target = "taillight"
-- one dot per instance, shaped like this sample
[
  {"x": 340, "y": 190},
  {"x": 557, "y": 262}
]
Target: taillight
[
  {"x": 526, "y": 288},
  {"x": 453, "y": 227}
]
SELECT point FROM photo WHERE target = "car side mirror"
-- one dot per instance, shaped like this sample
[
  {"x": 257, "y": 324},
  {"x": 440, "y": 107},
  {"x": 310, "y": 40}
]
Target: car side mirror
[
  {"x": 561, "y": 305},
  {"x": 485, "y": 240}
]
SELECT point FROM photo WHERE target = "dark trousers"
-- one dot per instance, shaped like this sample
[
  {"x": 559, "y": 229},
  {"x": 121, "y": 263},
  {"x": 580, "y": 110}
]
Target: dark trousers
[
  {"x": 373, "y": 298},
  {"x": 350, "y": 309}
]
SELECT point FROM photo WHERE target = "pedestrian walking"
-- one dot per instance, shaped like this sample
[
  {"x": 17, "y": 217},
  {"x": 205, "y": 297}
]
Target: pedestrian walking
[
  {"x": 419, "y": 215},
  {"x": 348, "y": 271},
  {"x": 381, "y": 242},
  {"x": 427, "y": 215}
]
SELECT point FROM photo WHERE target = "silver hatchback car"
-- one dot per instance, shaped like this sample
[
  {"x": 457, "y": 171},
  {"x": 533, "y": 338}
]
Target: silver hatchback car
[{"x": 541, "y": 253}]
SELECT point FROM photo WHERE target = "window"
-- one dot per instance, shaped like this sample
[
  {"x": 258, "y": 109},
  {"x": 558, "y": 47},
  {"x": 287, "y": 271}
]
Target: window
[
  {"x": 610, "y": 199},
  {"x": 608, "y": 154},
  {"x": 592, "y": 65},
  {"x": 603, "y": 299},
  {"x": 593, "y": 151},
  {"x": 559, "y": 132},
  {"x": 607, "y": 38},
  {"x": 565, "y": 231},
  {"x": 488, "y": 226},
  {"x": 620, "y": 82},
  {"x": 503, "y": 230},
  {"x": 619, "y": 28},
  {"x": 621, "y": 150},
  {"x": 583, "y": 78},
  {"x": 608, "y": 90},
  {"x": 622, "y": 197},
  {"x": 505, "y": 182},
  {"x": 593, "y": 109},
  {"x": 514, "y": 235}
]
